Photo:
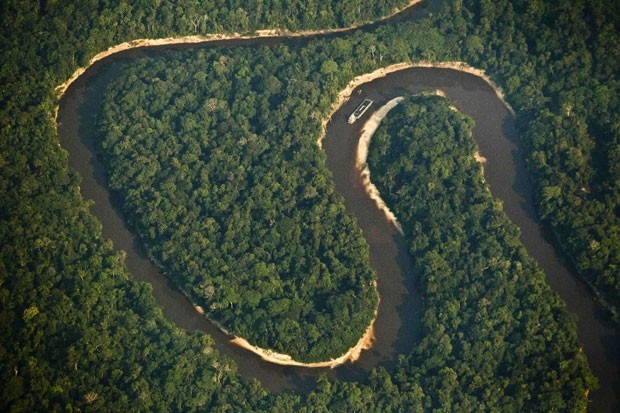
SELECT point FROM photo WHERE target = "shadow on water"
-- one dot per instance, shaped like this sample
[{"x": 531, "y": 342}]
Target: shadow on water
[
  {"x": 410, "y": 311},
  {"x": 521, "y": 185}
]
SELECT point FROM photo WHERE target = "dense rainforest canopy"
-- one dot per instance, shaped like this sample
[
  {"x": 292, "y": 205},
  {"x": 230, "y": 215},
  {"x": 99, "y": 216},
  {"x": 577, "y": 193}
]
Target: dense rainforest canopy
[{"x": 78, "y": 335}]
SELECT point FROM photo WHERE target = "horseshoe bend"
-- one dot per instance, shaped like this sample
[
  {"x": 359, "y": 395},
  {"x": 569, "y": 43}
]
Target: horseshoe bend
[{"x": 419, "y": 317}]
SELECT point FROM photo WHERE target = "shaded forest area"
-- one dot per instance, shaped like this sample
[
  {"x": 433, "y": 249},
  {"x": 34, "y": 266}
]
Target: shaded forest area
[{"x": 78, "y": 335}]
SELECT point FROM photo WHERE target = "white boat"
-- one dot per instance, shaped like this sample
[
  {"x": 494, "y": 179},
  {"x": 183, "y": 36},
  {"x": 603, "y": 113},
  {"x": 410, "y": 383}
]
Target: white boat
[{"x": 361, "y": 109}]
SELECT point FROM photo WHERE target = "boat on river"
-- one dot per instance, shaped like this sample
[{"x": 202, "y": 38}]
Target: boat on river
[{"x": 361, "y": 109}]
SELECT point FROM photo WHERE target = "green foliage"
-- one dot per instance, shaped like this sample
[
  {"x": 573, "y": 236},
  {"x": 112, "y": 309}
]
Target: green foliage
[{"x": 76, "y": 333}]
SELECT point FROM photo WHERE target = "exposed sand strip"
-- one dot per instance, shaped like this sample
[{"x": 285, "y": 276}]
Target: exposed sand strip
[
  {"x": 345, "y": 94},
  {"x": 271, "y": 356},
  {"x": 368, "y": 130},
  {"x": 479, "y": 158},
  {"x": 352, "y": 354}
]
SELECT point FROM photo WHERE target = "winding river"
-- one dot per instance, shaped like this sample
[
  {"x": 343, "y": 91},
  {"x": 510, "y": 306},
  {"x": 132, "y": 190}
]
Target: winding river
[{"x": 397, "y": 326}]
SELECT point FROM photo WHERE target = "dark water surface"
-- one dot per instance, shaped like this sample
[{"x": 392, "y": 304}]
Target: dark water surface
[{"x": 397, "y": 326}]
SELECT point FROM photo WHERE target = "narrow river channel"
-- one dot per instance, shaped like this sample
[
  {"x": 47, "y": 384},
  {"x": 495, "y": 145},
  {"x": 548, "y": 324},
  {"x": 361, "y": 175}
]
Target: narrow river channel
[{"x": 396, "y": 327}]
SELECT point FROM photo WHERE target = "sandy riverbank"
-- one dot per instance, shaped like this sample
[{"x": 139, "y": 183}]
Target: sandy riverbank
[
  {"x": 271, "y": 356},
  {"x": 364, "y": 343},
  {"x": 368, "y": 130},
  {"x": 345, "y": 94},
  {"x": 265, "y": 33},
  {"x": 479, "y": 158}
]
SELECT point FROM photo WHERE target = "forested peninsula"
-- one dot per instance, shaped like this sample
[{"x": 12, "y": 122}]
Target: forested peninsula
[
  {"x": 475, "y": 274},
  {"x": 78, "y": 334},
  {"x": 217, "y": 173}
]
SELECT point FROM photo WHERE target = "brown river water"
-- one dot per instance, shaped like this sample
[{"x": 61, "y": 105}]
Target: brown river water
[{"x": 397, "y": 325}]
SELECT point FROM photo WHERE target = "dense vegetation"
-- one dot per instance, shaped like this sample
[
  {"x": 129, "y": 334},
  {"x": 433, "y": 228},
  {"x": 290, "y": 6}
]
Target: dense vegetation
[
  {"x": 491, "y": 320},
  {"x": 557, "y": 61},
  {"x": 219, "y": 169}
]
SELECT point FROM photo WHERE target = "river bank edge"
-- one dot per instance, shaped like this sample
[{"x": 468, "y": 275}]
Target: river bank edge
[
  {"x": 368, "y": 130},
  {"x": 212, "y": 37}
]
